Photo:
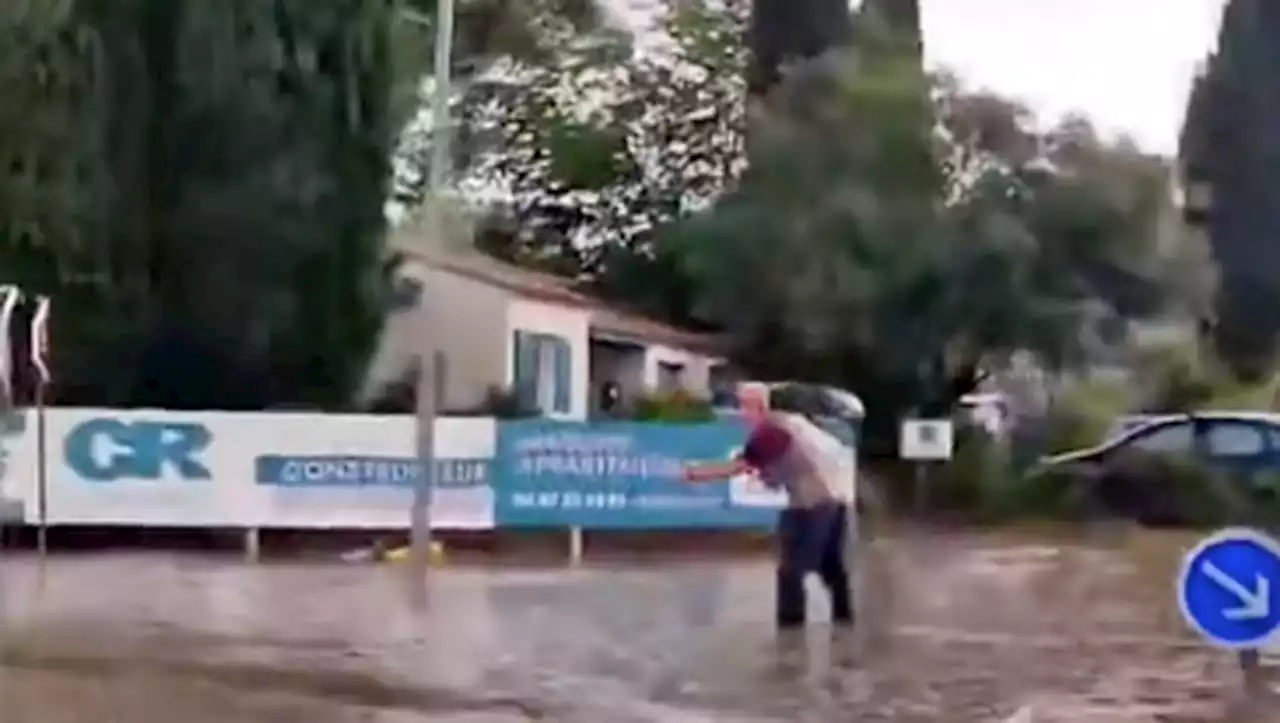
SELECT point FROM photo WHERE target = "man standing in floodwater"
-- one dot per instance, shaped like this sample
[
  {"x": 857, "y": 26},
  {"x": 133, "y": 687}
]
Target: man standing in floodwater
[{"x": 812, "y": 529}]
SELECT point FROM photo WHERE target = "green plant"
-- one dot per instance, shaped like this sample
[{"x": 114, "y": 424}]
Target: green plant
[
  {"x": 1082, "y": 413},
  {"x": 961, "y": 484},
  {"x": 983, "y": 482},
  {"x": 1265, "y": 489},
  {"x": 676, "y": 406},
  {"x": 1243, "y": 396},
  {"x": 1179, "y": 386},
  {"x": 1067, "y": 429},
  {"x": 1183, "y": 378},
  {"x": 1045, "y": 493}
]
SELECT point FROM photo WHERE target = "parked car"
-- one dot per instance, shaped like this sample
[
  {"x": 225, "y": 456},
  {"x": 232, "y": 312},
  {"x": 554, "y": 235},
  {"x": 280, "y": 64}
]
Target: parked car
[
  {"x": 1126, "y": 423},
  {"x": 837, "y": 411},
  {"x": 1130, "y": 472},
  {"x": 800, "y": 397}
]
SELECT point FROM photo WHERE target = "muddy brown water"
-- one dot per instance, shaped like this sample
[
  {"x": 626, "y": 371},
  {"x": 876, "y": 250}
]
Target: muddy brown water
[{"x": 954, "y": 628}]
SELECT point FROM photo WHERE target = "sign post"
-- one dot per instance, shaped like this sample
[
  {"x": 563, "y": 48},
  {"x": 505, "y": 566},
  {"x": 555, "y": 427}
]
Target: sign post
[
  {"x": 923, "y": 440},
  {"x": 11, "y": 511},
  {"x": 1229, "y": 593},
  {"x": 428, "y": 360},
  {"x": 39, "y": 361},
  {"x": 11, "y": 298}
]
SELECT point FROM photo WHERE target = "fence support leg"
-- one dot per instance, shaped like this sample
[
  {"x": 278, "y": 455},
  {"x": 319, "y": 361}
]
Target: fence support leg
[
  {"x": 252, "y": 545},
  {"x": 575, "y": 546}
]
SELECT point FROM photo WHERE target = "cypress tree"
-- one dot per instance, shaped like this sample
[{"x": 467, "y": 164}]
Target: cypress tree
[
  {"x": 1231, "y": 146},
  {"x": 782, "y": 32},
  {"x": 200, "y": 187}
]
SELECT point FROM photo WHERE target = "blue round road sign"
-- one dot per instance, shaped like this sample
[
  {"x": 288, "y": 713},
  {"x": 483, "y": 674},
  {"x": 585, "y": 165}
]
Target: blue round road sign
[{"x": 1229, "y": 588}]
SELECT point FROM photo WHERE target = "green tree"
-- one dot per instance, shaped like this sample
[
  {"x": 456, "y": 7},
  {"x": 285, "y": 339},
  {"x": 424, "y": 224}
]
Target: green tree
[
  {"x": 783, "y": 33},
  {"x": 1228, "y": 148},
  {"x": 267, "y": 173},
  {"x": 56, "y": 187},
  {"x": 876, "y": 249},
  {"x": 496, "y": 44},
  {"x": 884, "y": 242},
  {"x": 229, "y": 179},
  {"x": 584, "y": 184}
]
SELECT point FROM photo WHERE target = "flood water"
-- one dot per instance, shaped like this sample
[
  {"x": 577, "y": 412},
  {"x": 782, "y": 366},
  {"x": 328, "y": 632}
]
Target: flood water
[{"x": 954, "y": 628}]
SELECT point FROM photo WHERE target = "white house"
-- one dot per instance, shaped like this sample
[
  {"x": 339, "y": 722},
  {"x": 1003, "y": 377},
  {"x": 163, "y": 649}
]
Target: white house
[{"x": 495, "y": 324}]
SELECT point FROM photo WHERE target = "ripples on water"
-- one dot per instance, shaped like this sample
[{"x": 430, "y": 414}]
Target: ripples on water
[{"x": 954, "y": 629}]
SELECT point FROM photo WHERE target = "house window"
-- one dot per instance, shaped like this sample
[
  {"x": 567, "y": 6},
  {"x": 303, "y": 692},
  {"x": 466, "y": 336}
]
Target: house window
[
  {"x": 547, "y": 380},
  {"x": 542, "y": 371},
  {"x": 724, "y": 392},
  {"x": 670, "y": 377}
]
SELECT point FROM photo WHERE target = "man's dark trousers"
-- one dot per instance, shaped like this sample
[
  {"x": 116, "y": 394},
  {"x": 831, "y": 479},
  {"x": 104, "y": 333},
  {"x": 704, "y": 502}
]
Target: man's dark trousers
[{"x": 812, "y": 540}]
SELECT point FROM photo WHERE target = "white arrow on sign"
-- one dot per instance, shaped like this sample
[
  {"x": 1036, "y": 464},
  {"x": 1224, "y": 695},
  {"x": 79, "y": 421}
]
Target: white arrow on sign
[{"x": 1255, "y": 604}]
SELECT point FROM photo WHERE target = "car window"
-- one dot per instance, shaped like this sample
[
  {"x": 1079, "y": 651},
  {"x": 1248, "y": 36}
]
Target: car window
[
  {"x": 1123, "y": 425},
  {"x": 1235, "y": 439},
  {"x": 1167, "y": 439}
]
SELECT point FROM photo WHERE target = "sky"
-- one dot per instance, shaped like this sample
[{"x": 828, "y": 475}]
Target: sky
[{"x": 1127, "y": 64}]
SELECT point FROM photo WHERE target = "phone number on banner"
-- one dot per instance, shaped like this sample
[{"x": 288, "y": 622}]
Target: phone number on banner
[
  {"x": 610, "y": 501},
  {"x": 569, "y": 500}
]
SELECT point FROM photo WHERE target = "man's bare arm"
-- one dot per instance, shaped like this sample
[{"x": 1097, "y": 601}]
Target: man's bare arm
[{"x": 715, "y": 471}]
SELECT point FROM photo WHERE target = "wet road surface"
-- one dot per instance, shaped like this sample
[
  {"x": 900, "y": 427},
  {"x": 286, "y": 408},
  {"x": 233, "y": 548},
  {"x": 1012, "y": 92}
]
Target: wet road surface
[{"x": 955, "y": 628}]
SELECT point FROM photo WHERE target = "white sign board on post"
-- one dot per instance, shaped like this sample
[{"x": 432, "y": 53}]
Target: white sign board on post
[{"x": 926, "y": 440}]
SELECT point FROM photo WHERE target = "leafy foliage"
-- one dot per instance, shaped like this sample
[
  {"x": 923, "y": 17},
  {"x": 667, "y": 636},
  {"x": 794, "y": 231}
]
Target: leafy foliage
[
  {"x": 487, "y": 30},
  {"x": 1227, "y": 143},
  {"x": 677, "y": 406},
  {"x": 494, "y": 42},
  {"x": 221, "y": 172},
  {"x": 594, "y": 151},
  {"x": 897, "y": 257},
  {"x": 206, "y": 199},
  {"x": 896, "y": 234},
  {"x": 783, "y": 33}
]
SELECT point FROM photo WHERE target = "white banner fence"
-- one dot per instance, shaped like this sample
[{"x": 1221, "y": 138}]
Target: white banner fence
[
  {"x": 155, "y": 468},
  {"x": 250, "y": 470}
]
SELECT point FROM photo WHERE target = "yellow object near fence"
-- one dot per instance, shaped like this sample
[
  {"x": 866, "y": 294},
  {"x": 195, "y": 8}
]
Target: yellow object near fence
[{"x": 436, "y": 555}]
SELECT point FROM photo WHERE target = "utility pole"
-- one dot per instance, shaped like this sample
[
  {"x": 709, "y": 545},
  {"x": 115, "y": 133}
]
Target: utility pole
[{"x": 428, "y": 367}]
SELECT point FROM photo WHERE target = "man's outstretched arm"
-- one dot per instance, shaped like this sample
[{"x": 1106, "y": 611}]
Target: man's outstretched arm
[{"x": 715, "y": 471}]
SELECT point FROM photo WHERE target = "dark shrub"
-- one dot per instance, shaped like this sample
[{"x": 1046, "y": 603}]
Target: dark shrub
[{"x": 678, "y": 406}]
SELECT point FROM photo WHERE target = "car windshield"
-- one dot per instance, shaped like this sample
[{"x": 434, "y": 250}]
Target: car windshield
[
  {"x": 1161, "y": 438},
  {"x": 1126, "y": 424}
]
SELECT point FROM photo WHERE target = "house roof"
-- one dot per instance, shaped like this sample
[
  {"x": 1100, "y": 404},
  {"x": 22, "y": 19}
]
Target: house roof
[{"x": 605, "y": 318}]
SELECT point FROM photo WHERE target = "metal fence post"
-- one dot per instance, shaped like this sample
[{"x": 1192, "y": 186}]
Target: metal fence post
[{"x": 575, "y": 546}]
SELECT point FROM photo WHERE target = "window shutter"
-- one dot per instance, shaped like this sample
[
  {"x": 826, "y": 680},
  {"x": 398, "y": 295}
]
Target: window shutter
[
  {"x": 440, "y": 381},
  {"x": 524, "y": 368},
  {"x": 563, "y": 356}
]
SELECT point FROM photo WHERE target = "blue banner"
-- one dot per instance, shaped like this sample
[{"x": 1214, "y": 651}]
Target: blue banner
[
  {"x": 356, "y": 471},
  {"x": 616, "y": 475}
]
